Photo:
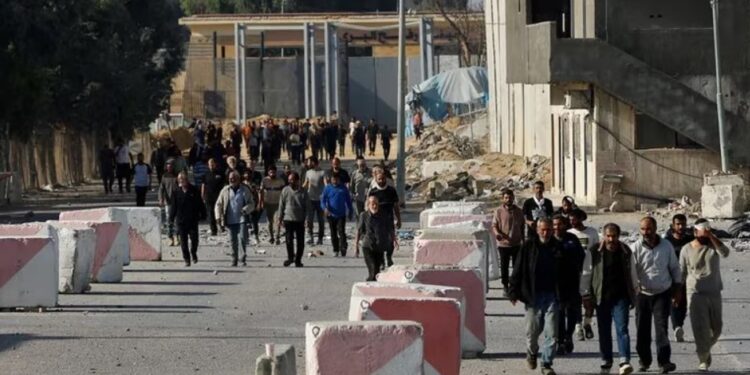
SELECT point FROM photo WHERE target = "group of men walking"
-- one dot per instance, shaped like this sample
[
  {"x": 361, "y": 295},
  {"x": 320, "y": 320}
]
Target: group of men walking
[{"x": 561, "y": 267}]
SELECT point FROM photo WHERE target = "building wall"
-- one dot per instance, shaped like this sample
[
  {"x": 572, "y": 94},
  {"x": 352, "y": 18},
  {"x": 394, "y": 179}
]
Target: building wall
[{"x": 657, "y": 173}]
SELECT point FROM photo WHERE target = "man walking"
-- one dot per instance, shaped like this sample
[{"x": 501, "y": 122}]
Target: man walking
[
  {"x": 610, "y": 289},
  {"x": 361, "y": 178},
  {"x": 314, "y": 183},
  {"x": 589, "y": 238},
  {"x": 167, "y": 188},
  {"x": 389, "y": 206},
  {"x": 679, "y": 236},
  {"x": 536, "y": 207},
  {"x": 535, "y": 281},
  {"x": 659, "y": 278},
  {"x": 142, "y": 179},
  {"x": 213, "y": 182},
  {"x": 107, "y": 167},
  {"x": 270, "y": 193},
  {"x": 374, "y": 229},
  {"x": 187, "y": 211},
  {"x": 234, "y": 205},
  {"x": 293, "y": 208},
  {"x": 386, "y": 136},
  {"x": 701, "y": 268},
  {"x": 344, "y": 177},
  {"x": 372, "y": 135},
  {"x": 507, "y": 226},
  {"x": 336, "y": 203},
  {"x": 570, "y": 297},
  {"x": 123, "y": 160}
]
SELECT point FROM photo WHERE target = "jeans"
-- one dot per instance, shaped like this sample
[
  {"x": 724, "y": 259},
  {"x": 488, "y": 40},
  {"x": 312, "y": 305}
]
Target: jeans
[
  {"x": 654, "y": 307},
  {"x": 238, "y": 237},
  {"x": 371, "y": 143},
  {"x": 680, "y": 312},
  {"x": 108, "y": 179},
  {"x": 338, "y": 234},
  {"x": 374, "y": 259},
  {"x": 165, "y": 219},
  {"x": 541, "y": 316},
  {"x": 140, "y": 195},
  {"x": 188, "y": 231},
  {"x": 295, "y": 232},
  {"x": 386, "y": 152},
  {"x": 570, "y": 315},
  {"x": 254, "y": 220},
  {"x": 315, "y": 212},
  {"x": 507, "y": 258},
  {"x": 605, "y": 313}
]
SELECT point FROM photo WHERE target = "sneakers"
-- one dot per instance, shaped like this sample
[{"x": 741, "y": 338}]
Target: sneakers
[
  {"x": 287, "y": 263},
  {"x": 578, "y": 333},
  {"x": 531, "y": 361},
  {"x": 703, "y": 367},
  {"x": 589, "y": 331},
  {"x": 547, "y": 370},
  {"x": 195, "y": 258},
  {"x": 667, "y": 368},
  {"x": 626, "y": 369},
  {"x": 187, "y": 263},
  {"x": 605, "y": 367},
  {"x": 679, "y": 334},
  {"x": 299, "y": 264},
  {"x": 642, "y": 367}
]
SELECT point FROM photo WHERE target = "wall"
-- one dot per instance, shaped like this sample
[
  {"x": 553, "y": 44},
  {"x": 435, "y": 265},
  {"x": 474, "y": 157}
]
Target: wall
[{"x": 667, "y": 173}]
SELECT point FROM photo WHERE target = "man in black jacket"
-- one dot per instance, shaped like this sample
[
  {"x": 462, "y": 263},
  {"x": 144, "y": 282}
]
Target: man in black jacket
[
  {"x": 188, "y": 210},
  {"x": 535, "y": 208},
  {"x": 538, "y": 280},
  {"x": 570, "y": 306}
]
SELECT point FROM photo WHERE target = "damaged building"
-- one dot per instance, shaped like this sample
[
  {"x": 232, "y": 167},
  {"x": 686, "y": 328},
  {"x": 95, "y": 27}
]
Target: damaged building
[{"x": 619, "y": 94}]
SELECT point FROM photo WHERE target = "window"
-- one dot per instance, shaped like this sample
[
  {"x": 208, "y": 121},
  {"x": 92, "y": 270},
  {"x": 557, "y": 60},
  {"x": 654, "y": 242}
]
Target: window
[
  {"x": 577, "y": 152},
  {"x": 588, "y": 135},
  {"x": 565, "y": 136}
]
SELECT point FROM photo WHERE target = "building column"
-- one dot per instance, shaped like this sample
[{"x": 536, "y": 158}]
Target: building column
[
  {"x": 429, "y": 47},
  {"x": 243, "y": 68},
  {"x": 313, "y": 78},
  {"x": 237, "y": 73},
  {"x": 327, "y": 43},
  {"x": 335, "y": 55},
  {"x": 306, "y": 63}
]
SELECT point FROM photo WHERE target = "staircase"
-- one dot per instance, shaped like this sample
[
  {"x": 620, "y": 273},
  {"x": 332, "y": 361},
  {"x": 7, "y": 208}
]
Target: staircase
[{"x": 650, "y": 91}]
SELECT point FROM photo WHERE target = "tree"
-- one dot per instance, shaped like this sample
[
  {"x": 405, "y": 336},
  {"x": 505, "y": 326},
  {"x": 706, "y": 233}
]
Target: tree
[{"x": 467, "y": 23}]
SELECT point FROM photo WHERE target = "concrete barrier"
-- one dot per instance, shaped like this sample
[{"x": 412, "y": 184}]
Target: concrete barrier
[
  {"x": 484, "y": 223},
  {"x": 75, "y": 249},
  {"x": 28, "y": 272},
  {"x": 103, "y": 215},
  {"x": 458, "y": 210},
  {"x": 144, "y": 233},
  {"x": 446, "y": 204},
  {"x": 364, "y": 348},
  {"x": 109, "y": 240},
  {"x": 440, "y": 318},
  {"x": 473, "y": 338},
  {"x": 277, "y": 360},
  {"x": 469, "y": 253},
  {"x": 363, "y": 290}
]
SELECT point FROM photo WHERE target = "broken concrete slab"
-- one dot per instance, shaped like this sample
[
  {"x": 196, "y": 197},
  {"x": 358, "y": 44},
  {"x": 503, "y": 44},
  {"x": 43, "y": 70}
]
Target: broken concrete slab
[
  {"x": 723, "y": 196},
  {"x": 277, "y": 360}
]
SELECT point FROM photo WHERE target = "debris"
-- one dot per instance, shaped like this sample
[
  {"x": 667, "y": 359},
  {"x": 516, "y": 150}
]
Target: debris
[
  {"x": 305, "y": 307},
  {"x": 260, "y": 251},
  {"x": 216, "y": 272}
]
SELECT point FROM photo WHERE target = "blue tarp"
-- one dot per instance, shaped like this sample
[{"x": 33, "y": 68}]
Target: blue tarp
[{"x": 457, "y": 86}]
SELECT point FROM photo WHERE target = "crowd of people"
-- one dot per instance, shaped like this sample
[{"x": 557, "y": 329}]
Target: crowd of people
[{"x": 564, "y": 272}]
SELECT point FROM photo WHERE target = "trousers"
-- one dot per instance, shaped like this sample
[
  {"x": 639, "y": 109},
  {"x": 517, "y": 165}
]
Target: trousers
[
  {"x": 295, "y": 234},
  {"x": 705, "y": 317},
  {"x": 656, "y": 308}
]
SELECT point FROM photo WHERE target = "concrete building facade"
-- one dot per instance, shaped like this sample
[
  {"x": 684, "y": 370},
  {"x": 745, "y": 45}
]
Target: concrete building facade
[{"x": 620, "y": 94}]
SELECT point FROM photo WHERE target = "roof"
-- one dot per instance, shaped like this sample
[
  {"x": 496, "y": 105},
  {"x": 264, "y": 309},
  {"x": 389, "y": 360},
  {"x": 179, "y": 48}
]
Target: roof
[{"x": 287, "y": 18}]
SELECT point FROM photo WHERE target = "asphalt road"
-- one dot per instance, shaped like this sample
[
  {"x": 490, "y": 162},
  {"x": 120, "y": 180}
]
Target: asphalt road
[{"x": 214, "y": 319}]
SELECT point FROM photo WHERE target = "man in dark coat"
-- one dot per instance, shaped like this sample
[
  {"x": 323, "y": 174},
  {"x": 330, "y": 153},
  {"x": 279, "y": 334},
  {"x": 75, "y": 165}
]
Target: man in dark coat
[{"x": 188, "y": 211}]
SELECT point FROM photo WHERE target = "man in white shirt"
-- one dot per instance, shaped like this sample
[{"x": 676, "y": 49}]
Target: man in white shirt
[
  {"x": 123, "y": 159},
  {"x": 589, "y": 237}
]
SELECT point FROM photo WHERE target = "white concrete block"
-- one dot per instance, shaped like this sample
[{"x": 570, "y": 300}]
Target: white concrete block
[
  {"x": 108, "y": 243},
  {"x": 107, "y": 214},
  {"x": 364, "y": 348},
  {"x": 461, "y": 209},
  {"x": 144, "y": 232},
  {"x": 28, "y": 272},
  {"x": 279, "y": 361},
  {"x": 723, "y": 201},
  {"x": 477, "y": 222}
]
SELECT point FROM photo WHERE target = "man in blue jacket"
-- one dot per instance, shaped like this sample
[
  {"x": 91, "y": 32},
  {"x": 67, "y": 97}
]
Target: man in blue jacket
[{"x": 336, "y": 203}]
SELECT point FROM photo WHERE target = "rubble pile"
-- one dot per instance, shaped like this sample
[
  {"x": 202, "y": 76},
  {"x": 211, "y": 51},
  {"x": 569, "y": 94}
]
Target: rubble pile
[{"x": 481, "y": 176}]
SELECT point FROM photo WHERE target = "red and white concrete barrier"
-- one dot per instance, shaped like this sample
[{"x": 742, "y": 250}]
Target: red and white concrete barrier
[
  {"x": 104, "y": 215},
  {"x": 28, "y": 272},
  {"x": 75, "y": 248},
  {"x": 468, "y": 253},
  {"x": 473, "y": 338},
  {"x": 456, "y": 210},
  {"x": 484, "y": 227},
  {"x": 144, "y": 232},
  {"x": 363, "y": 290},
  {"x": 364, "y": 348},
  {"x": 440, "y": 318},
  {"x": 445, "y": 204},
  {"x": 108, "y": 242}
]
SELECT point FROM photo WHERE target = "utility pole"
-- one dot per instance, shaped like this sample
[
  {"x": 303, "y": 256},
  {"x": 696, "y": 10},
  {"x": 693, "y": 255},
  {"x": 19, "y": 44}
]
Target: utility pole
[
  {"x": 400, "y": 121},
  {"x": 719, "y": 95}
]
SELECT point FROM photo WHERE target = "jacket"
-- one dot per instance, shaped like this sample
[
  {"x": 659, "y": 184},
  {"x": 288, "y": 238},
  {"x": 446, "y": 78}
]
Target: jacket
[
  {"x": 591, "y": 284},
  {"x": 510, "y": 221},
  {"x": 187, "y": 207},
  {"x": 573, "y": 257},
  {"x": 220, "y": 209},
  {"x": 167, "y": 187},
  {"x": 523, "y": 279},
  {"x": 337, "y": 200}
]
